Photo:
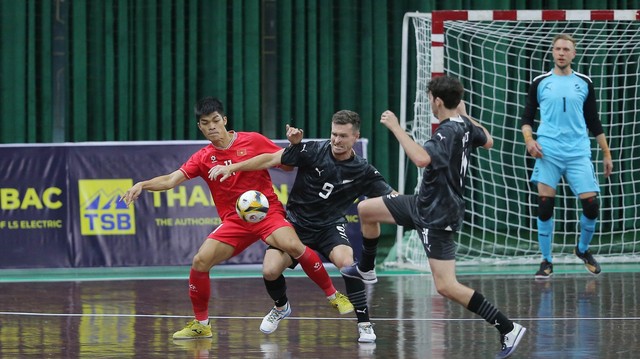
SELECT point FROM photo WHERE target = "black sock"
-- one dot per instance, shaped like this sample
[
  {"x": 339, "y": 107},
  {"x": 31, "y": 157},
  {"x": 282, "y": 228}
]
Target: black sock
[
  {"x": 479, "y": 305},
  {"x": 369, "y": 251},
  {"x": 357, "y": 297},
  {"x": 277, "y": 290}
]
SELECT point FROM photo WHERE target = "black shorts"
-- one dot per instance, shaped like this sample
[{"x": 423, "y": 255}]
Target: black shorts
[
  {"x": 437, "y": 243},
  {"x": 323, "y": 241}
]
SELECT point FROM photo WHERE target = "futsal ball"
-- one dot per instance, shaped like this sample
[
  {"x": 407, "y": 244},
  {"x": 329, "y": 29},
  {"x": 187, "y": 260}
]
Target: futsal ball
[{"x": 252, "y": 206}]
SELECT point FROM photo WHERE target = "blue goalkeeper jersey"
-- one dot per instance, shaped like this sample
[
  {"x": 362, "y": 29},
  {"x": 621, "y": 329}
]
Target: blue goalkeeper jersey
[{"x": 567, "y": 111}]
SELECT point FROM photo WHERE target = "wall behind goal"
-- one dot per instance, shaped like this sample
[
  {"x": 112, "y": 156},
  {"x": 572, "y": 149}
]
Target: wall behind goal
[{"x": 126, "y": 70}]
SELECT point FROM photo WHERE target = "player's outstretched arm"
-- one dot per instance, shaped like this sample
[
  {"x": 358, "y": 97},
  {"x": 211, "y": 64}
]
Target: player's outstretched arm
[
  {"x": 160, "y": 183},
  {"x": 294, "y": 135},
  {"x": 462, "y": 110},
  {"x": 259, "y": 162},
  {"x": 416, "y": 153}
]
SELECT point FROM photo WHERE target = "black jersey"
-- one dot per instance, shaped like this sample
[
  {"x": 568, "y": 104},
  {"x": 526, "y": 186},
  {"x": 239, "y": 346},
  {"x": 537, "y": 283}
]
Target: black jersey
[
  {"x": 324, "y": 188},
  {"x": 440, "y": 199}
]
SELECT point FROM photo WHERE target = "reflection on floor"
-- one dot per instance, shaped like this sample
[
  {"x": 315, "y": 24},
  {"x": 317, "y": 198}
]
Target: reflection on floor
[{"x": 574, "y": 315}]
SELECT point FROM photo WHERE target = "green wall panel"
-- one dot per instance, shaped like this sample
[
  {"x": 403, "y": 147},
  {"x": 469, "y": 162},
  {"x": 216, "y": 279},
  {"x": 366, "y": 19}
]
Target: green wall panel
[{"x": 134, "y": 68}]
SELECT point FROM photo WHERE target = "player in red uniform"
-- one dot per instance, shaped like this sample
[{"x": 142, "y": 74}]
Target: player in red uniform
[{"x": 233, "y": 235}]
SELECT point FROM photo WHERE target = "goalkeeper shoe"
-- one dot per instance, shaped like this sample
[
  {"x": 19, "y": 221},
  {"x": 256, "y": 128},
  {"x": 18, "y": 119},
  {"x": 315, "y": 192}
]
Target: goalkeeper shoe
[
  {"x": 510, "y": 341},
  {"x": 353, "y": 271},
  {"x": 545, "y": 271},
  {"x": 194, "y": 330},
  {"x": 272, "y": 319},
  {"x": 590, "y": 263},
  {"x": 341, "y": 303}
]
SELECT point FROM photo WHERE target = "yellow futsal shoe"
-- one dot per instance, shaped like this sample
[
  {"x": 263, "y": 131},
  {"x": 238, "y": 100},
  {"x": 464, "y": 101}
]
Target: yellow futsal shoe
[
  {"x": 194, "y": 330},
  {"x": 341, "y": 303}
]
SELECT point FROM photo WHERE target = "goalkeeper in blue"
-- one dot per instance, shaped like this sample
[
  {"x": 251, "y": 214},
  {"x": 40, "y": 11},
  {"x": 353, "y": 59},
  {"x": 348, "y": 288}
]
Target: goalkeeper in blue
[{"x": 562, "y": 148}]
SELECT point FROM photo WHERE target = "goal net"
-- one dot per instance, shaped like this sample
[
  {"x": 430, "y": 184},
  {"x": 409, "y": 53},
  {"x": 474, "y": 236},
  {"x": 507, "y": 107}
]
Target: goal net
[{"x": 496, "y": 54}]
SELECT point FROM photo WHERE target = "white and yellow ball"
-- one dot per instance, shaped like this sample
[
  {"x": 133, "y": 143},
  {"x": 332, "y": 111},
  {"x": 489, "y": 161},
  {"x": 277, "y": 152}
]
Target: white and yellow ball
[{"x": 252, "y": 206}]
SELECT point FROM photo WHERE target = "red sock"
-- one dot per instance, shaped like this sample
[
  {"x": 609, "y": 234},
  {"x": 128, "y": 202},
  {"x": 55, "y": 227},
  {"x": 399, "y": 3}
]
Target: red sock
[
  {"x": 312, "y": 265},
  {"x": 199, "y": 292}
]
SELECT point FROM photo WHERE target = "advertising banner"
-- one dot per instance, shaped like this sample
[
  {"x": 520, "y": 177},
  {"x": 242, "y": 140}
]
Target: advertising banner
[
  {"x": 34, "y": 221},
  {"x": 60, "y": 206}
]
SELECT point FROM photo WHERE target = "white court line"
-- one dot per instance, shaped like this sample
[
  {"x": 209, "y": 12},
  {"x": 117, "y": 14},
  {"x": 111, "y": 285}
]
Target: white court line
[{"x": 308, "y": 318}]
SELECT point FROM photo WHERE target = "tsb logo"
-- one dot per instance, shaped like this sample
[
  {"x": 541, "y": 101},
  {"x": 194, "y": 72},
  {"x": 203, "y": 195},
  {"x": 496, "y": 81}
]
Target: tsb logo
[{"x": 101, "y": 211}]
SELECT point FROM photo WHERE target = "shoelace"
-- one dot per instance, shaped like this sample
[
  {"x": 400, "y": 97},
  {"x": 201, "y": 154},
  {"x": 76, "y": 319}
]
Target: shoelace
[
  {"x": 503, "y": 339},
  {"x": 367, "y": 329},
  {"x": 274, "y": 315}
]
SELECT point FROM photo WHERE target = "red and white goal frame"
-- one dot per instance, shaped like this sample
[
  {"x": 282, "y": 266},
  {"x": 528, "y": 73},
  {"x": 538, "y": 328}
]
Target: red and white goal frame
[{"x": 438, "y": 19}]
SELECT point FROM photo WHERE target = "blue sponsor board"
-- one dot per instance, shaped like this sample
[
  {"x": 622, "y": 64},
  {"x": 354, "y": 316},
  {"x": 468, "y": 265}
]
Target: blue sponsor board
[
  {"x": 60, "y": 206},
  {"x": 34, "y": 223}
]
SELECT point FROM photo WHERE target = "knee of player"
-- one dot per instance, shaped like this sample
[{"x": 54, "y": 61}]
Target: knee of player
[
  {"x": 545, "y": 207},
  {"x": 341, "y": 256},
  {"x": 343, "y": 262},
  {"x": 447, "y": 288},
  {"x": 590, "y": 207},
  {"x": 270, "y": 272},
  {"x": 199, "y": 264},
  {"x": 445, "y": 292},
  {"x": 364, "y": 210}
]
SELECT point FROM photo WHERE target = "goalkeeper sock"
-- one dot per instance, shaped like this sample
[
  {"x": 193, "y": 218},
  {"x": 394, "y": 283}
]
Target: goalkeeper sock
[
  {"x": 545, "y": 233},
  {"x": 587, "y": 227}
]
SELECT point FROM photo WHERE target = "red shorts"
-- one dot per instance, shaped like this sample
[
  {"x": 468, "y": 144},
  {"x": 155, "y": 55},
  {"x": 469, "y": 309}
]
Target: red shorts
[{"x": 240, "y": 234}]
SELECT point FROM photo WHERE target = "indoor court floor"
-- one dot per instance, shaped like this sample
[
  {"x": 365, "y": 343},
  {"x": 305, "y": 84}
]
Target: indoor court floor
[{"x": 130, "y": 315}]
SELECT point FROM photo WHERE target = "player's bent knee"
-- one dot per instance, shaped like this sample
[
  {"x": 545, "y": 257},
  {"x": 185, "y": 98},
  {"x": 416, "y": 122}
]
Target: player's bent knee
[
  {"x": 590, "y": 207},
  {"x": 366, "y": 208},
  {"x": 200, "y": 265},
  {"x": 445, "y": 292},
  {"x": 545, "y": 207},
  {"x": 271, "y": 273}
]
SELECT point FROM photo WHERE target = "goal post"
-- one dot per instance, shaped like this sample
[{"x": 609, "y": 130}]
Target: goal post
[{"x": 496, "y": 54}]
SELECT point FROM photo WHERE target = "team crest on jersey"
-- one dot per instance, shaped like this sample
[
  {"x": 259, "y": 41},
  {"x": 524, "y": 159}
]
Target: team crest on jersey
[{"x": 242, "y": 152}]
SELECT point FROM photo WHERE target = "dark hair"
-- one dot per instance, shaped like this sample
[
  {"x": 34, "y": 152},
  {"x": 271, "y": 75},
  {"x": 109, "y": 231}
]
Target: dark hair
[
  {"x": 345, "y": 117},
  {"x": 206, "y": 106},
  {"x": 448, "y": 89}
]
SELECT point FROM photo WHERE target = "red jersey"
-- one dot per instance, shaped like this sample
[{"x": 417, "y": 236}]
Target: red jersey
[{"x": 243, "y": 146}]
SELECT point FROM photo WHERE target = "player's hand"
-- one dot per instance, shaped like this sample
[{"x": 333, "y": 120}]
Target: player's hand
[
  {"x": 389, "y": 119},
  {"x": 608, "y": 166},
  {"x": 294, "y": 135},
  {"x": 462, "y": 109},
  {"x": 220, "y": 170},
  {"x": 132, "y": 194},
  {"x": 534, "y": 148}
]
